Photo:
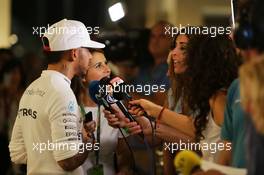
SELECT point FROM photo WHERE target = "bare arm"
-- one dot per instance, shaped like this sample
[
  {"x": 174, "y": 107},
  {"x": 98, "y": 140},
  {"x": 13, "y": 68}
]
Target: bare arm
[
  {"x": 73, "y": 162},
  {"x": 217, "y": 104},
  {"x": 170, "y": 134},
  {"x": 163, "y": 132},
  {"x": 181, "y": 122}
]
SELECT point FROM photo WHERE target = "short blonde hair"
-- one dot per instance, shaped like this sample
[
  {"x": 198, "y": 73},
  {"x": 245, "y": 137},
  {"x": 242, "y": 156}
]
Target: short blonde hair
[{"x": 252, "y": 91}]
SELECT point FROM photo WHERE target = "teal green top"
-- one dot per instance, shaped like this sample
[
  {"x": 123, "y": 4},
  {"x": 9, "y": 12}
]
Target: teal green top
[{"x": 233, "y": 128}]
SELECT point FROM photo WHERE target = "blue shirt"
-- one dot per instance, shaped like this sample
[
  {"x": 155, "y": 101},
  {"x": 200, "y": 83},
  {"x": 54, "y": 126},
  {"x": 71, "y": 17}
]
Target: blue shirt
[{"x": 233, "y": 129}]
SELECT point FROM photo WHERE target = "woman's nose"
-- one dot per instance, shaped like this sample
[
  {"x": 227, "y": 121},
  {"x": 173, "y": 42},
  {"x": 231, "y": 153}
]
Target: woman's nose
[
  {"x": 106, "y": 68},
  {"x": 174, "y": 53}
]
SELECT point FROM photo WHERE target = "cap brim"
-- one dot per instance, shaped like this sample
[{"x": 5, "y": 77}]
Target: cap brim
[{"x": 94, "y": 44}]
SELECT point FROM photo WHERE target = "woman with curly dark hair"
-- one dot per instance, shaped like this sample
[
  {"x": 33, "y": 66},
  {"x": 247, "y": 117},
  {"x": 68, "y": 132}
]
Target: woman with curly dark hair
[
  {"x": 212, "y": 65},
  {"x": 175, "y": 101}
]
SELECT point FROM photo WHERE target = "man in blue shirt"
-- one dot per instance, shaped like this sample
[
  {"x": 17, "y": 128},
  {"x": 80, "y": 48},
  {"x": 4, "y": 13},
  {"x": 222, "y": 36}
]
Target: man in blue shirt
[
  {"x": 233, "y": 129},
  {"x": 237, "y": 127}
]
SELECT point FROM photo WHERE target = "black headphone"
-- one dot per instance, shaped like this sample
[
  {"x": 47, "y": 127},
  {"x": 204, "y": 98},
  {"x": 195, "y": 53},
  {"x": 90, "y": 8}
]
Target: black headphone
[{"x": 244, "y": 35}]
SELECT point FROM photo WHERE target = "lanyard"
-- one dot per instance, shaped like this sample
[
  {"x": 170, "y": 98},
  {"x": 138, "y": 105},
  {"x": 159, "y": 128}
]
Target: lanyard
[
  {"x": 98, "y": 134},
  {"x": 82, "y": 111}
]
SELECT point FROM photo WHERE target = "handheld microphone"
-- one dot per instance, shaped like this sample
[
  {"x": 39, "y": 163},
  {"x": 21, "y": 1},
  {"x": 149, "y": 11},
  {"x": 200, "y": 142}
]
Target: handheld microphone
[
  {"x": 187, "y": 162},
  {"x": 120, "y": 89},
  {"x": 118, "y": 92},
  {"x": 121, "y": 94},
  {"x": 99, "y": 96},
  {"x": 101, "y": 92},
  {"x": 102, "y": 96},
  {"x": 88, "y": 117}
]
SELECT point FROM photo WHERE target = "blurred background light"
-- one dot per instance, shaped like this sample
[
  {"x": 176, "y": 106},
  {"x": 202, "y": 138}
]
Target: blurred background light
[
  {"x": 116, "y": 11},
  {"x": 13, "y": 39}
]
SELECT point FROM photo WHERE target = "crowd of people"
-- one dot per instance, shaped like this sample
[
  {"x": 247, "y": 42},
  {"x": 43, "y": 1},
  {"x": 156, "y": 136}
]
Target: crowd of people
[{"x": 213, "y": 100}]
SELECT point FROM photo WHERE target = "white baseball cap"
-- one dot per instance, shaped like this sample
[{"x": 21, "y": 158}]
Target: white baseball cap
[{"x": 66, "y": 35}]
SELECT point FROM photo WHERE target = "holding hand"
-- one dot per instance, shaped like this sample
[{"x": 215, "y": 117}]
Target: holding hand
[
  {"x": 118, "y": 120},
  {"x": 141, "y": 106},
  {"x": 88, "y": 129}
]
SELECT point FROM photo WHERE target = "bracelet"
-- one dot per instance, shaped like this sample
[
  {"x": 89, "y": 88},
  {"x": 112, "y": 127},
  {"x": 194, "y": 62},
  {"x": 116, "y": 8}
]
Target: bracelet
[{"x": 160, "y": 114}]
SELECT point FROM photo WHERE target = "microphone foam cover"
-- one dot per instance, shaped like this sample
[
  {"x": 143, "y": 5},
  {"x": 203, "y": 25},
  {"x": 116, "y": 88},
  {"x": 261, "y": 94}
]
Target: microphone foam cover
[
  {"x": 94, "y": 89},
  {"x": 186, "y": 161}
]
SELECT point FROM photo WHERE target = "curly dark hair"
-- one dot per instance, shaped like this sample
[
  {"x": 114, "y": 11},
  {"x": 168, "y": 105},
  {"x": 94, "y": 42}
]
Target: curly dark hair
[{"x": 212, "y": 65}]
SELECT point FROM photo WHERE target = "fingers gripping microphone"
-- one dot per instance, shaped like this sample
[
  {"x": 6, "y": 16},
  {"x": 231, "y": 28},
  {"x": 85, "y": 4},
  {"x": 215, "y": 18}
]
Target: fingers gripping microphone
[
  {"x": 187, "y": 162},
  {"x": 102, "y": 93},
  {"x": 118, "y": 92}
]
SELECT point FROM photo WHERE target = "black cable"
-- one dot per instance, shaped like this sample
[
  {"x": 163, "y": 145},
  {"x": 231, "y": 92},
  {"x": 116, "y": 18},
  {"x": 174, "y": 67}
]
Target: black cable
[
  {"x": 152, "y": 157},
  {"x": 153, "y": 142},
  {"x": 130, "y": 150}
]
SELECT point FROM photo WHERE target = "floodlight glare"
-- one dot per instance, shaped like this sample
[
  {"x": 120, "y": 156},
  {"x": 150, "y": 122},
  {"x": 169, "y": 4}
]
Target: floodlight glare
[{"x": 116, "y": 11}]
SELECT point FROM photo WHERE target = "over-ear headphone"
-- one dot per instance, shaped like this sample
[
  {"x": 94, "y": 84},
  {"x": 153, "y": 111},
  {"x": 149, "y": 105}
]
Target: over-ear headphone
[{"x": 244, "y": 35}]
